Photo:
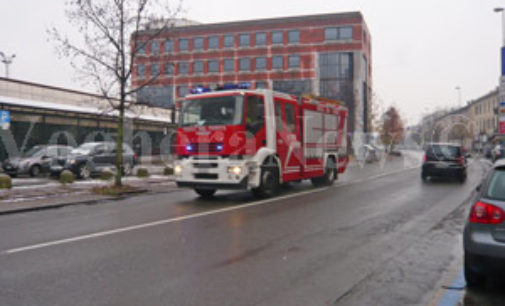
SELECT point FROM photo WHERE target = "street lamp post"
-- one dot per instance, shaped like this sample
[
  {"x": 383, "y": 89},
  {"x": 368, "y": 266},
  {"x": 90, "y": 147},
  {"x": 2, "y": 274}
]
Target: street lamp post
[
  {"x": 501, "y": 95},
  {"x": 7, "y": 60}
]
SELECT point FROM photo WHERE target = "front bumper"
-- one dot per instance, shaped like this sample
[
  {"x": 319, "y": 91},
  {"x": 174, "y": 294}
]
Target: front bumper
[{"x": 213, "y": 173}]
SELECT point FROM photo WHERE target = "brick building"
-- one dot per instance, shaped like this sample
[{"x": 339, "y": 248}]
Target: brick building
[{"x": 327, "y": 55}]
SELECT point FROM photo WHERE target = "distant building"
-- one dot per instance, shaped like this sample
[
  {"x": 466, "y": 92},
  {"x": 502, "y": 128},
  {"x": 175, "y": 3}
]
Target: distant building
[
  {"x": 41, "y": 114},
  {"x": 327, "y": 55}
]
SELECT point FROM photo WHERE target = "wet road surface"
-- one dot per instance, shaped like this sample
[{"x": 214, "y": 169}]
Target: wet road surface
[{"x": 379, "y": 236}]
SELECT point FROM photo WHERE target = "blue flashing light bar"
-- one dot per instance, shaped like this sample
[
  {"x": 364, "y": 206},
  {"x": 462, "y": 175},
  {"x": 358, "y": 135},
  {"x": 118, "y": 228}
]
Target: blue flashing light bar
[
  {"x": 219, "y": 147},
  {"x": 189, "y": 148},
  {"x": 199, "y": 89},
  {"x": 231, "y": 86}
]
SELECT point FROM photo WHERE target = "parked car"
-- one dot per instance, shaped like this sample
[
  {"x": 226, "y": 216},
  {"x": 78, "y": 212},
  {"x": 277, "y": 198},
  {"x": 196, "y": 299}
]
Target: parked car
[
  {"x": 484, "y": 233},
  {"x": 93, "y": 157},
  {"x": 444, "y": 160},
  {"x": 497, "y": 153},
  {"x": 35, "y": 161}
]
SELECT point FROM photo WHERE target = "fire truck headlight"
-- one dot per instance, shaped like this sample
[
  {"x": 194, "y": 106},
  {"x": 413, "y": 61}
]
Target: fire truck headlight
[
  {"x": 237, "y": 170},
  {"x": 177, "y": 169}
]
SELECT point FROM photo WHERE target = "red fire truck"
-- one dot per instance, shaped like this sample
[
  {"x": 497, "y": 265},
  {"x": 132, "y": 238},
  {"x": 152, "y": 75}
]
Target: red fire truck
[{"x": 237, "y": 138}]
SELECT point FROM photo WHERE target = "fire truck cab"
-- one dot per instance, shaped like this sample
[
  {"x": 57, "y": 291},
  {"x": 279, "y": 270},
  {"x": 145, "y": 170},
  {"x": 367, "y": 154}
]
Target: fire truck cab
[{"x": 239, "y": 138}]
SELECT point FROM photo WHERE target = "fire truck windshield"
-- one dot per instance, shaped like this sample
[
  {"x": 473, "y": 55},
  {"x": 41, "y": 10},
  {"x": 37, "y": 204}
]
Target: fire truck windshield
[{"x": 226, "y": 110}]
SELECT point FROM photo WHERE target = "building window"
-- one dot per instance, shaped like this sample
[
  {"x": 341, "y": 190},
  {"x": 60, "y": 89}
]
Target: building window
[
  {"x": 141, "y": 48},
  {"x": 229, "y": 41},
  {"x": 214, "y": 66},
  {"x": 295, "y": 87},
  {"x": 169, "y": 45},
  {"x": 294, "y": 37},
  {"x": 183, "y": 67},
  {"x": 261, "y": 39},
  {"x": 345, "y": 33},
  {"x": 214, "y": 42},
  {"x": 277, "y": 37},
  {"x": 198, "y": 67},
  {"x": 260, "y": 85},
  {"x": 294, "y": 61},
  {"x": 336, "y": 76},
  {"x": 277, "y": 62},
  {"x": 183, "y": 44},
  {"x": 261, "y": 63},
  {"x": 169, "y": 69},
  {"x": 245, "y": 40},
  {"x": 229, "y": 64},
  {"x": 182, "y": 91},
  {"x": 245, "y": 64},
  {"x": 341, "y": 33},
  {"x": 198, "y": 43},
  {"x": 155, "y": 70},
  {"x": 141, "y": 71},
  {"x": 155, "y": 47}
]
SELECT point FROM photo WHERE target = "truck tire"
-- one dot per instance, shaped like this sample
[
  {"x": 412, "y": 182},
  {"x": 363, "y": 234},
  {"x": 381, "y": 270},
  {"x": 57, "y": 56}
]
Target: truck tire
[
  {"x": 205, "y": 193},
  {"x": 269, "y": 180},
  {"x": 330, "y": 173}
]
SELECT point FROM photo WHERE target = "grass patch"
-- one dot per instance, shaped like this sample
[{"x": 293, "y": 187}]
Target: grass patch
[
  {"x": 106, "y": 175},
  {"x": 142, "y": 172},
  {"x": 67, "y": 177},
  {"x": 113, "y": 190},
  {"x": 5, "y": 181},
  {"x": 168, "y": 171}
]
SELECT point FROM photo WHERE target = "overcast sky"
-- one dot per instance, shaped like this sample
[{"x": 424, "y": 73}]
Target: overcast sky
[{"x": 421, "y": 50}]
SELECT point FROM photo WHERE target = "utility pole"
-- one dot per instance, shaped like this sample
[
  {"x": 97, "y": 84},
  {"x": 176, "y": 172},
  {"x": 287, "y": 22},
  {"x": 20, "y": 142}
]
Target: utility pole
[{"x": 7, "y": 60}]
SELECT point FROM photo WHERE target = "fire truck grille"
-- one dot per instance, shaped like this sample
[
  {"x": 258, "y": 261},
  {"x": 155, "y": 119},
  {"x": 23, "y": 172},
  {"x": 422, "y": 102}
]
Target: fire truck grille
[
  {"x": 205, "y": 165},
  {"x": 206, "y": 176},
  {"x": 212, "y": 147}
]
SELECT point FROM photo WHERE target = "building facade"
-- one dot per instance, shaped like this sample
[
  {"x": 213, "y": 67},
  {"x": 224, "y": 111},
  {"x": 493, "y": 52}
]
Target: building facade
[
  {"x": 327, "y": 55},
  {"x": 41, "y": 114}
]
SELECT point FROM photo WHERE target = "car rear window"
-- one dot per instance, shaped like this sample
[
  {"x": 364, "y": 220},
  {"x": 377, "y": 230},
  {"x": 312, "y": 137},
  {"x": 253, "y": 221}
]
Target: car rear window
[
  {"x": 496, "y": 186},
  {"x": 443, "y": 151}
]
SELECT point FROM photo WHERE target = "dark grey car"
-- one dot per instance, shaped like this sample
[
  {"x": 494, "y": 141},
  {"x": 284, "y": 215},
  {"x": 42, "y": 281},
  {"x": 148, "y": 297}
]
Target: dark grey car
[
  {"x": 35, "y": 161},
  {"x": 92, "y": 157},
  {"x": 484, "y": 234}
]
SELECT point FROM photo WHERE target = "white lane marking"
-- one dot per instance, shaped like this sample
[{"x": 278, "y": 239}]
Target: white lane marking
[
  {"x": 156, "y": 223},
  {"x": 182, "y": 218}
]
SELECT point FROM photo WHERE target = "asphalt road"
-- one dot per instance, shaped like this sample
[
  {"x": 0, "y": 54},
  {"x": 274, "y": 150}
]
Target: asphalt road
[{"x": 379, "y": 236}]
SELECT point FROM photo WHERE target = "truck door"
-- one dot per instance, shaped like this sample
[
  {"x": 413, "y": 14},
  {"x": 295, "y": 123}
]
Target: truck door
[
  {"x": 288, "y": 142},
  {"x": 255, "y": 124}
]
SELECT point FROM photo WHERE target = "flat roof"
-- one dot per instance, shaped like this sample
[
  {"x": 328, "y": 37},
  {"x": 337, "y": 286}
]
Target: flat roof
[{"x": 262, "y": 22}]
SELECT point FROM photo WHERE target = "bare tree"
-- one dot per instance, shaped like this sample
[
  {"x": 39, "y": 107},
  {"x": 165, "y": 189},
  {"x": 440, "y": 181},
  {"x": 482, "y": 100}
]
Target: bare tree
[{"x": 109, "y": 43}]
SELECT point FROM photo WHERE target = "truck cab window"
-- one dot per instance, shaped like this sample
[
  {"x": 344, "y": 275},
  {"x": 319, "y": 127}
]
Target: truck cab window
[
  {"x": 289, "y": 109},
  {"x": 255, "y": 116}
]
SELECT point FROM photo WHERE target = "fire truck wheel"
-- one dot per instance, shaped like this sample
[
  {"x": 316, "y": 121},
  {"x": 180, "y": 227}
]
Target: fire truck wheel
[
  {"x": 328, "y": 178},
  {"x": 205, "y": 193},
  {"x": 269, "y": 183}
]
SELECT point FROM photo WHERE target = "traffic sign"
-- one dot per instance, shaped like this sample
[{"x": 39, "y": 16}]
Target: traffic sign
[
  {"x": 5, "y": 119},
  {"x": 501, "y": 130}
]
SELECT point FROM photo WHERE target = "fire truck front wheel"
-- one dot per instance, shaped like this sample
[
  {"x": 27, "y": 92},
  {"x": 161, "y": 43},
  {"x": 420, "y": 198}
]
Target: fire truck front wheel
[
  {"x": 269, "y": 183},
  {"x": 205, "y": 193}
]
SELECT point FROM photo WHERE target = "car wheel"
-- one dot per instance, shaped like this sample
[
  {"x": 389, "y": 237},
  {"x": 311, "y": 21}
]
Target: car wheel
[
  {"x": 127, "y": 169},
  {"x": 329, "y": 175},
  {"x": 462, "y": 178},
  {"x": 35, "y": 171},
  {"x": 473, "y": 279},
  {"x": 13, "y": 175},
  {"x": 205, "y": 193},
  {"x": 269, "y": 181},
  {"x": 424, "y": 177},
  {"x": 84, "y": 172}
]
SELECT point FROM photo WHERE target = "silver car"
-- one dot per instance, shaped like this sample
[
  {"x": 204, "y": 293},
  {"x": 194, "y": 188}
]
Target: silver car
[
  {"x": 35, "y": 161},
  {"x": 484, "y": 234}
]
